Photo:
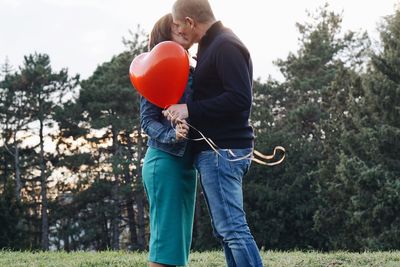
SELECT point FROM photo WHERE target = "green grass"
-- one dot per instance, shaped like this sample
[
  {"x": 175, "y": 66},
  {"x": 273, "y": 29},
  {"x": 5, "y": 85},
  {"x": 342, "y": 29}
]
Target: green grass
[{"x": 205, "y": 259}]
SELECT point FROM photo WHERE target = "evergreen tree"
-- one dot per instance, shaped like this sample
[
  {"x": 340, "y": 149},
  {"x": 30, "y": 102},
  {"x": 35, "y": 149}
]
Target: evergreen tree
[
  {"x": 16, "y": 116},
  {"x": 362, "y": 193},
  {"x": 105, "y": 118},
  {"x": 292, "y": 114},
  {"x": 45, "y": 90}
]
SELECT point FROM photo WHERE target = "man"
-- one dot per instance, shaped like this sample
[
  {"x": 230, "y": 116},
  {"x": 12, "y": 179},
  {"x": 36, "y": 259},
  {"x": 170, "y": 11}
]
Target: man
[{"x": 220, "y": 109}]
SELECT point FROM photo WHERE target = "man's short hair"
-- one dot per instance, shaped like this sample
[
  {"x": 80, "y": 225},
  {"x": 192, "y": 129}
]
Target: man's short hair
[{"x": 198, "y": 10}]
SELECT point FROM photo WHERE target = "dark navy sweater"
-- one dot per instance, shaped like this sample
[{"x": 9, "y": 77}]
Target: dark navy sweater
[{"x": 222, "y": 91}]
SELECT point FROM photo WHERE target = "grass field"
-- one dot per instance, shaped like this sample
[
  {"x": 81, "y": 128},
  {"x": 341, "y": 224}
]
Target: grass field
[{"x": 205, "y": 259}]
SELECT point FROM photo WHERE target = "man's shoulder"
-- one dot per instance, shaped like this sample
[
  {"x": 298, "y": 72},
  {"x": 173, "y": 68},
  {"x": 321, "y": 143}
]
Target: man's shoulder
[
  {"x": 226, "y": 34},
  {"x": 228, "y": 38}
]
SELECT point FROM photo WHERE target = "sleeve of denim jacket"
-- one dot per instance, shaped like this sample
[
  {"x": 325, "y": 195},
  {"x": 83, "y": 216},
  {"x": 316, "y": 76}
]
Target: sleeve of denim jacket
[{"x": 150, "y": 121}]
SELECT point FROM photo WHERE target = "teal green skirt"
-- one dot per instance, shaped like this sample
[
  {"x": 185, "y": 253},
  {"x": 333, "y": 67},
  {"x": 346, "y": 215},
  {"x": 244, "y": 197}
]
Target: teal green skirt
[{"x": 170, "y": 184}]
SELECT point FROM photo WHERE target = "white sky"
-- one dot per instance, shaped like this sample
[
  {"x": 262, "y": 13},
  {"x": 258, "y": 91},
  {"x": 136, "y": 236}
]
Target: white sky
[{"x": 81, "y": 34}]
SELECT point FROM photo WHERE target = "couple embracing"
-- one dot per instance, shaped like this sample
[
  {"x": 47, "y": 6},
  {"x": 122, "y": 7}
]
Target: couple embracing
[{"x": 217, "y": 101}]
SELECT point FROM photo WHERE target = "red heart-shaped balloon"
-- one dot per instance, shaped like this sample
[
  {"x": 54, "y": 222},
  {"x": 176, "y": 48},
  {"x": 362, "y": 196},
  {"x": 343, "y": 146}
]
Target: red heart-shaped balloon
[{"x": 161, "y": 75}]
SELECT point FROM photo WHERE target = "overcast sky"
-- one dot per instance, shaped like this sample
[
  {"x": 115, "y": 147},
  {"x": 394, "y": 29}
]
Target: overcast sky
[{"x": 81, "y": 34}]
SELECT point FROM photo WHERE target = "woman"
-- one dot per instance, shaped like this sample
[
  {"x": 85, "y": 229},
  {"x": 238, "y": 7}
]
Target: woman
[{"x": 168, "y": 173}]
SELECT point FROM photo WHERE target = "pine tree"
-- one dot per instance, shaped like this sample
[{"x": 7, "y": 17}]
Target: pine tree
[
  {"x": 45, "y": 90},
  {"x": 359, "y": 205},
  {"x": 293, "y": 114}
]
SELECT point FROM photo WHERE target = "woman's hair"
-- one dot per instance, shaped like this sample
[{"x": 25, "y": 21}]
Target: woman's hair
[
  {"x": 161, "y": 31},
  {"x": 199, "y": 10}
]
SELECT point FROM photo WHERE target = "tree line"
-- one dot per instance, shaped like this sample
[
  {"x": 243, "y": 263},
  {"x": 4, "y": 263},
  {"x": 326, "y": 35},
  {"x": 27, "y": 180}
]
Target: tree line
[{"x": 71, "y": 150}]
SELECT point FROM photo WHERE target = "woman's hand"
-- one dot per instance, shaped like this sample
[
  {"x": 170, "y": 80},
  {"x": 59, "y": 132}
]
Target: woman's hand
[{"x": 182, "y": 130}]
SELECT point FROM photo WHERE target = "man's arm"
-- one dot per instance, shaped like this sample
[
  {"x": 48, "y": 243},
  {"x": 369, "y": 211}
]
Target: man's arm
[{"x": 233, "y": 70}]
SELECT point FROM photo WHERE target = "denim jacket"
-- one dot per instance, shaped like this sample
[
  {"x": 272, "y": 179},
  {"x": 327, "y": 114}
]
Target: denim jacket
[{"x": 159, "y": 130}]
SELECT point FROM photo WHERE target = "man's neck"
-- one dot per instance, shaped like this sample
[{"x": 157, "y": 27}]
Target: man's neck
[{"x": 203, "y": 28}]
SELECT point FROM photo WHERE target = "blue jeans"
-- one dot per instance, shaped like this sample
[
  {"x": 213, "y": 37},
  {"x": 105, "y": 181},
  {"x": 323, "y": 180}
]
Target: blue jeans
[{"x": 221, "y": 181}]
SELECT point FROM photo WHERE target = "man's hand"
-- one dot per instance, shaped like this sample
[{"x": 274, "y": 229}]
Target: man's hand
[{"x": 177, "y": 112}]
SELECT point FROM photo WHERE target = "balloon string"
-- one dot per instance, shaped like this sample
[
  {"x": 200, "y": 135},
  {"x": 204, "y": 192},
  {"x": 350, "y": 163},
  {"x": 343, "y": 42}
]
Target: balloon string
[{"x": 214, "y": 147}]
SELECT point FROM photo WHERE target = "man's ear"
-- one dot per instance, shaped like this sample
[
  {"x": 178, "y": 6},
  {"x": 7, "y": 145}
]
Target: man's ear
[{"x": 189, "y": 21}]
